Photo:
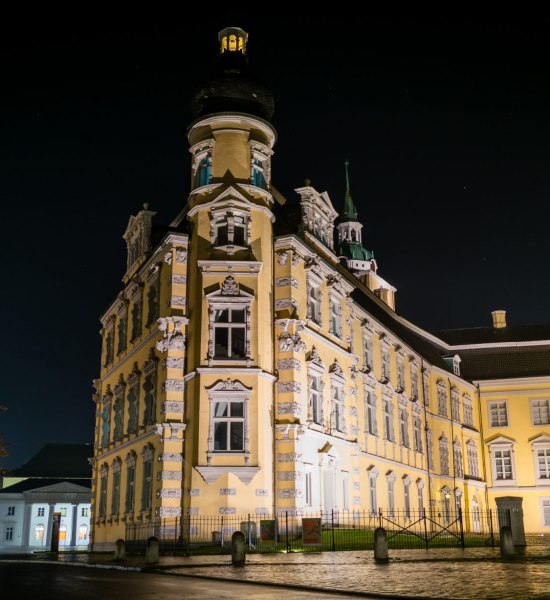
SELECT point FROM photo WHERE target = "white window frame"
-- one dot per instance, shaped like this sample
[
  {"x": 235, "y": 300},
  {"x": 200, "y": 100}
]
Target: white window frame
[
  {"x": 413, "y": 371},
  {"x": 498, "y": 414},
  {"x": 373, "y": 493},
  {"x": 385, "y": 367},
  {"x": 389, "y": 426},
  {"x": 230, "y": 296},
  {"x": 407, "y": 496},
  {"x": 147, "y": 455},
  {"x": 472, "y": 458},
  {"x": 442, "y": 409},
  {"x": 497, "y": 447},
  {"x": 540, "y": 411},
  {"x": 404, "y": 426},
  {"x": 338, "y": 406},
  {"x": 400, "y": 375},
  {"x": 228, "y": 391},
  {"x": 368, "y": 355},
  {"x": 390, "y": 480},
  {"x": 541, "y": 448},
  {"x": 371, "y": 407},
  {"x": 455, "y": 405},
  {"x": 545, "y": 511},
  {"x": 468, "y": 410},
  {"x": 457, "y": 460},
  {"x": 314, "y": 298},
  {"x": 335, "y": 315},
  {"x": 444, "y": 466},
  {"x": 230, "y": 221},
  {"x": 417, "y": 434}
]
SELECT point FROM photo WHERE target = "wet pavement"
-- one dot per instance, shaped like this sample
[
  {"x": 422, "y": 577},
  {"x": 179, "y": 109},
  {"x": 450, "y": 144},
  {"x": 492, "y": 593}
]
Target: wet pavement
[{"x": 478, "y": 573}]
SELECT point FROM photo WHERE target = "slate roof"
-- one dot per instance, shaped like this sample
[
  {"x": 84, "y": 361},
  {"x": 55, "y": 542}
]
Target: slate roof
[
  {"x": 36, "y": 483},
  {"x": 60, "y": 461},
  {"x": 488, "y": 335}
]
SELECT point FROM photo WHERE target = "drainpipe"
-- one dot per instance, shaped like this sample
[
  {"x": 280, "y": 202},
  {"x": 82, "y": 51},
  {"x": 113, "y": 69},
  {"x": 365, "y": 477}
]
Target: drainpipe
[
  {"x": 483, "y": 461},
  {"x": 426, "y": 435},
  {"x": 275, "y": 373},
  {"x": 452, "y": 440}
]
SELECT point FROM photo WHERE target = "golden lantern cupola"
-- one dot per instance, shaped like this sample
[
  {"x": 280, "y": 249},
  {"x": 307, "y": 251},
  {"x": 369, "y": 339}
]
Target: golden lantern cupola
[{"x": 233, "y": 39}]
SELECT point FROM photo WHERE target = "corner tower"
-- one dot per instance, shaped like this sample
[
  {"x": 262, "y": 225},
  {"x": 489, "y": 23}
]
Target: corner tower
[{"x": 229, "y": 368}]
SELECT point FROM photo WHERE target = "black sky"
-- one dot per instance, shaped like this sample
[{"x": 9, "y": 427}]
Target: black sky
[{"x": 446, "y": 125}]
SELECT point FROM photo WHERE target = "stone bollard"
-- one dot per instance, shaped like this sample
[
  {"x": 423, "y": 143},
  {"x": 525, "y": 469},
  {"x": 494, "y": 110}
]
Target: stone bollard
[
  {"x": 507, "y": 547},
  {"x": 381, "y": 545},
  {"x": 152, "y": 552},
  {"x": 238, "y": 549},
  {"x": 120, "y": 550}
]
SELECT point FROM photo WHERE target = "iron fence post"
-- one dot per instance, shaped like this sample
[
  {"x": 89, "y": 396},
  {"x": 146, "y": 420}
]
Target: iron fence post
[
  {"x": 286, "y": 532},
  {"x": 491, "y": 528},
  {"x": 426, "y": 541},
  {"x": 461, "y": 527}
]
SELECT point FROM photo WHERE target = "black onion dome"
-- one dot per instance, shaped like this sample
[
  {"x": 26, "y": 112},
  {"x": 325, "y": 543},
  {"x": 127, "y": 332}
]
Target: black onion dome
[{"x": 232, "y": 88}]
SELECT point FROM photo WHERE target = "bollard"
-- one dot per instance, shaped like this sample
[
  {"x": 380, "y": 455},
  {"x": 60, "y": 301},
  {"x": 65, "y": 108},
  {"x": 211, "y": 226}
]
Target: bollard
[
  {"x": 152, "y": 552},
  {"x": 238, "y": 549},
  {"x": 507, "y": 547},
  {"x": 380, "y": 545},
  {"x": 120, "y": 550}
]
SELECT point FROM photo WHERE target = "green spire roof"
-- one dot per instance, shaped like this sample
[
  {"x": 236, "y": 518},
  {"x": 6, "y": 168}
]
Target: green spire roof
[{"x": 350, "y": 212}]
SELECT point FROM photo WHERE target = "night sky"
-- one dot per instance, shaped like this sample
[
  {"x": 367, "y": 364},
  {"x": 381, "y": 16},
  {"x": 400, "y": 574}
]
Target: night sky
[{"x": 446, "y": 126}]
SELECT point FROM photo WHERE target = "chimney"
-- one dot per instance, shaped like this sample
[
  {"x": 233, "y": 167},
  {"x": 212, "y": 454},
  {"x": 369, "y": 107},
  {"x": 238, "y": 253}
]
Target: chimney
[{"x": 499, "y": 319}]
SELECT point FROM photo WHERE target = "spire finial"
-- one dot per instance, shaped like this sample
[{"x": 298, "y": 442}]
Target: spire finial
[{"x": 349, "y": 212}]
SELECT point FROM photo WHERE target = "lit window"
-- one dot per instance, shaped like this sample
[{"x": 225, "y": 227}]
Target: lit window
[
  {"x": 62, "y": 535},
  {"x": 203, "y": 172},
  {"x": 83, "y": 532},
  {"x": 39, "y": 533},
  {"x": 498, "y": 412},
  {"x": 540, "y": 412}
]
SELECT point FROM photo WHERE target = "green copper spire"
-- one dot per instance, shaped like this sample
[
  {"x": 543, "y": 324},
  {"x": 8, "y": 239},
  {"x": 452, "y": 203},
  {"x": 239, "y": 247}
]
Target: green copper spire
[{"x": 350, "y": 212}]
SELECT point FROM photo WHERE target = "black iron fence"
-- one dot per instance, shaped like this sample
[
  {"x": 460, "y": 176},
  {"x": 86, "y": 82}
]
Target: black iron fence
[{"x": 333, "y": 530}]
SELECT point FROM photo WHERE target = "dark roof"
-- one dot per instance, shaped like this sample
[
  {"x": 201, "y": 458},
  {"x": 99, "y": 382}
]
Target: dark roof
[
  {"x": 35, "y": 483},
  {"x": 488, "y": 335},
  {"x": 507, "y": 362},
  {"x": 66, "y": 461}
]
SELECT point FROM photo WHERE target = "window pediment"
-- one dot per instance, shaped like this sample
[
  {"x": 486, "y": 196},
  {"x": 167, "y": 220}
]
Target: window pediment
[
  {"x": 230, "y": 291},
  {"x": 229, "y": 385},
  {"x": 502, "y": 440},
  {"x": 542, "y": 439}
]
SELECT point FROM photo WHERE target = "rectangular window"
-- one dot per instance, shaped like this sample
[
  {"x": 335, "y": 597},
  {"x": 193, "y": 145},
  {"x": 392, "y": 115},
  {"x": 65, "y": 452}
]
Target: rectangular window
[
  {"x": 546, "y": 512},
  {"x": 503, "y": 464},
  {"x": 420, "y": 500},
  {"x": 316, "y": 399},
  {"x": 372, "y": 427},
  {"x": 102, "y": 496},
  {"x": 335, "y": 317},
  {"x": 41, "y": 512},
  {"x": 455, "y": 407},
  {"x": 417, "y": 434},
  {"x": 414, "y": 383},
  {"x": 391, "y": 497},
  {"x": 468, "y": 412},
  {"x": 444, "y": 459},
  {"x": 400, "y": 376},
  {"x": 498, "y": 414},
  {"x": 39, "y": 534},
  {"x": 459, "y": 472},
  {"x": 85, "y": 512},
  {"x": 441, "y": 401},
  {"x": 385, "y": 359},
  {"x": 407, "y": 502},
  {"x": 229, "y": 426},
  {"x": 130, "y": 484},
  {"x": 147, "y": 485},
  {"x": 388, "y": 421},
  {"x": 314, "y": 304},
  {"x": 9, "y": 534},
  {"x": 338, "y": 419},
  {"x": 404, "y": 427},
  {"x": 543, "y": 463},
  {"x": 11, "y": 511},
  {"x": 473, "y": 468},
  {"x": 368, "y": 353},
  {"x": 372, "y": 495},
  {"x": 540, "y": 412},
  {"x": 229, "y": 333},
  {"x": 115, "y": 493}
]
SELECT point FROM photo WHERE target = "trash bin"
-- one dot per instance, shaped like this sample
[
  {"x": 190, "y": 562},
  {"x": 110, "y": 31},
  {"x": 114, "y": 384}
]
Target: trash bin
[{"x": 216, "y": 537}]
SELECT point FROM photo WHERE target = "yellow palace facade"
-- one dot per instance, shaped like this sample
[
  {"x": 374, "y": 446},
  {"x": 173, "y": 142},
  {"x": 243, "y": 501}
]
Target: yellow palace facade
[{"x": 253, "y": 362}]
